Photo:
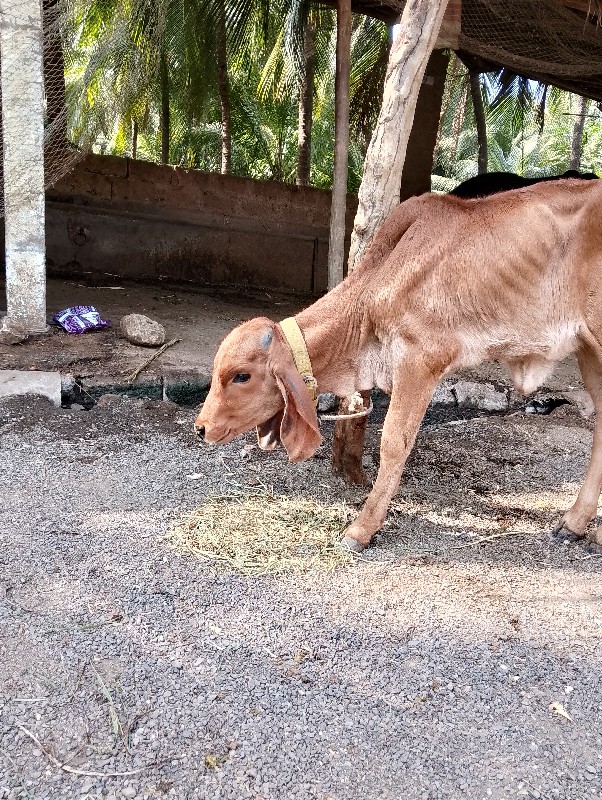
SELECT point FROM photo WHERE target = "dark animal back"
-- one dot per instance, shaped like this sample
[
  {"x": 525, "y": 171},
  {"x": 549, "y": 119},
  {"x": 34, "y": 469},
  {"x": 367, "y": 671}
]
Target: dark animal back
[{"x": 495, "y": 182}]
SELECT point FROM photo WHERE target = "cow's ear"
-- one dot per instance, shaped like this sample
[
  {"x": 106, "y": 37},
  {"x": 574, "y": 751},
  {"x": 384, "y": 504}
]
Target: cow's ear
[
  {"x": 268, "y": 433},
  {"x": 299, "y": 430}
]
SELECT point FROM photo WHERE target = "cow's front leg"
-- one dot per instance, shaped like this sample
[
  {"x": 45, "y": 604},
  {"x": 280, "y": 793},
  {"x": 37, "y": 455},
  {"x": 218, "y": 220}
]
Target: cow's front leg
[{"x": 413, "y": 387}]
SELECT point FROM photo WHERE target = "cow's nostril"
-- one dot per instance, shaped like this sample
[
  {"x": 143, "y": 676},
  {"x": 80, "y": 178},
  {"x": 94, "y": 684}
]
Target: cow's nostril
[{"x": 200, "y": 431}]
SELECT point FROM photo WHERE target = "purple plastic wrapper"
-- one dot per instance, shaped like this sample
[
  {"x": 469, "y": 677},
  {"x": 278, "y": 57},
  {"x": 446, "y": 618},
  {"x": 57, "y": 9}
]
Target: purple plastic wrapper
[{"x": 79, "y": 319}]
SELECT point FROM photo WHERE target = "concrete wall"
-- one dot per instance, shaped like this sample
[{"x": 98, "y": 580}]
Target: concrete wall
[{"x": 146, "y": 221}]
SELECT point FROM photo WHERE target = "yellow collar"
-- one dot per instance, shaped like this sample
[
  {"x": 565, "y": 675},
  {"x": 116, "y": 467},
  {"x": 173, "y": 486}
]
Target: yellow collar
[{"x": 294, "y": 337}]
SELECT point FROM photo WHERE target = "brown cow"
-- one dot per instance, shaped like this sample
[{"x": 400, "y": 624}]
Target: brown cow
[{"x": 446, "y": 284}]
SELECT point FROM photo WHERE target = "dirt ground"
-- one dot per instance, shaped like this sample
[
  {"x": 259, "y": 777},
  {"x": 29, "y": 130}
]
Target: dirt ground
[
  {"x": 458, "y": 659},
  {"x": 200, "y": 318}
]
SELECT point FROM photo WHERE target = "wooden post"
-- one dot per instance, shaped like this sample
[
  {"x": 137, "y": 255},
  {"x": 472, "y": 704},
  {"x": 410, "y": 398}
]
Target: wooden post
[
  {"x": 380, "y": 188},
  {"x": 336, "y": 246}
]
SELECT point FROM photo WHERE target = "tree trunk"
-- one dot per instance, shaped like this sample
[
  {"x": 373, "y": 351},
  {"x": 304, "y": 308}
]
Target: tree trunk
[
  {"x": 450, "y": 82},
  {"x": 479, "y": 114},
  {"x": 306, "y": 105},
  {"x": 54, "y": 75},
  {"x": 165, "y": 117},
  {"x": 336, "y": 245},
  {"x": 577, "y": 143},
  {"x": 224, "y": 89},
  {"x": 541, "y": 109},
  {"x": 458, "y": 118},
  {"x": 379, "y": 190},
  {"x": 380, "y": 187},
  {"x": 134, "y": 138},
  {"x": 22, "y": 76}
]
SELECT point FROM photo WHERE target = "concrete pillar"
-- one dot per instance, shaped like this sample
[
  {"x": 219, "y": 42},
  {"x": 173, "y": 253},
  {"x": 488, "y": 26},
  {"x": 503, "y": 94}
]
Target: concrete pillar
[
  {"x": 338, "y": 212},
  {"x": 21, "y": 64}
]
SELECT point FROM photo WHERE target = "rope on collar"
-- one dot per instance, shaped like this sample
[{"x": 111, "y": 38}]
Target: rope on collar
[{"x": 296, "y": 342}]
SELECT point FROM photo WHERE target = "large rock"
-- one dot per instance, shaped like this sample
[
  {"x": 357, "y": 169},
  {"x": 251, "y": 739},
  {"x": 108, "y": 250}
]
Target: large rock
[
  {"x": 480, "y": 395},
  {"x": 443, "y": 395},
  {"x": 140, "y": 329},
  {"x": 12, "y": 332},
  {"x": 581, "y": 399}
]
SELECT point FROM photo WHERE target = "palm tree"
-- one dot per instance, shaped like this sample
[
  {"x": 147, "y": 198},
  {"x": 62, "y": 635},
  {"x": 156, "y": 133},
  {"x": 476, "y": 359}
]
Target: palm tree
[
  {"x": 224, "y": 90},
  {"x": 216, "y": 84},
  {"x": 160, "y": 62}
]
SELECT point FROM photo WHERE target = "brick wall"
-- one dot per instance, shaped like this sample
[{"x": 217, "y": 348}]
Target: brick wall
[{"x": 151, "y": 222}]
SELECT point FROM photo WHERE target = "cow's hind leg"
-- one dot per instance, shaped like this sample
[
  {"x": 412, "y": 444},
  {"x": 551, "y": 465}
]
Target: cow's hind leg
[
  {"x": 585, "y": 507},
  {"x": 413, "y": 387}
]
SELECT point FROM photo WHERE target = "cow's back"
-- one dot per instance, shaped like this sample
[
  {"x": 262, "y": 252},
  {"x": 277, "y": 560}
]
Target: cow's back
[{"x": 504, "y": 276}]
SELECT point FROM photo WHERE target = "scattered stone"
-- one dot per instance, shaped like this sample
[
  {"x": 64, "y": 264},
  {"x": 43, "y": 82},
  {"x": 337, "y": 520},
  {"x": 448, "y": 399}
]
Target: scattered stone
[
  {"x": 444, "y": 395},
  {"x": 12, "y": 332},
  {"x": 327, "y": 401},
  {"x": 23, "y": 382},
  {"x": 581, "y": 399},
  {"x": 97, "y": 386},
  {"x": 108, "y": 399},
  {"x": 142, "y": 330},
  {"x": 480, "y": 395},
  {"x": 544, "y": 406}
]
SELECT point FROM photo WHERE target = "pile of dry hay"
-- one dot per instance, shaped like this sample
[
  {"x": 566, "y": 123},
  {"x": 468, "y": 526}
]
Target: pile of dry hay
[{"x": 257, "y": 534}]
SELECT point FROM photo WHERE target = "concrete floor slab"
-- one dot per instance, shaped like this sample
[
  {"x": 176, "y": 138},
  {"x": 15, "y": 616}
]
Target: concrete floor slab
[{"x": 34, "y": 382}]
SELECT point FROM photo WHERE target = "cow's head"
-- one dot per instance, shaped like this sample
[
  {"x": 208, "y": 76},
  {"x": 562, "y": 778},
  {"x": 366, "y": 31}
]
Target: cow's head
[{"x": 255, "y": 384}]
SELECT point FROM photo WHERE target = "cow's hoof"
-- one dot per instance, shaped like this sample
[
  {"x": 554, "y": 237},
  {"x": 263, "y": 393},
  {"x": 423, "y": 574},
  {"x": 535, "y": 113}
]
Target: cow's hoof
[
  {"x": 349, "y": 543},
  {"x": 562, "y": 535},
  {"x": 594, "y": 544}
]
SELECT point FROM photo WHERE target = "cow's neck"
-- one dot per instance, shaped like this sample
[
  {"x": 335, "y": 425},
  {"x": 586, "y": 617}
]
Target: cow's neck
[{"x": 333, "y": 331}]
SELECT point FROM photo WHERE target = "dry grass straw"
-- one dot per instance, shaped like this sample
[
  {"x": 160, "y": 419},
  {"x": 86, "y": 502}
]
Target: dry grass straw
[{"x": 258, "y": 534}]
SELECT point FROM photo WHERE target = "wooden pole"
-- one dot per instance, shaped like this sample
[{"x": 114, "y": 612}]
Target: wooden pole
[
  {"x": 379, "y": 190},
  {"x": 380, "y": 187},
  {"x": 336, "y": 246}
]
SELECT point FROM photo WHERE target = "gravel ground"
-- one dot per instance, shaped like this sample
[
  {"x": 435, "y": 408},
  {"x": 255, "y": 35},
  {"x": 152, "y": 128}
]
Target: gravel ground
[{"x": 426, "y": 670}]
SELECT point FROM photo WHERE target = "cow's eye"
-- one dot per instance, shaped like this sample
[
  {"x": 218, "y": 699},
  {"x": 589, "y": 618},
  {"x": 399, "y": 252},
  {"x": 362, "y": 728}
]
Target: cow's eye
[{"x": 242, "y": 377}]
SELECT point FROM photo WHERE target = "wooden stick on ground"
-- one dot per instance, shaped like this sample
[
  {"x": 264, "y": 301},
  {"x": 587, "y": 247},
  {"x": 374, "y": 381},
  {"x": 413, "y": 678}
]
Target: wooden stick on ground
[
  {"x": 72, "y": 770},
  {"x": 131, "y": 378}
]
